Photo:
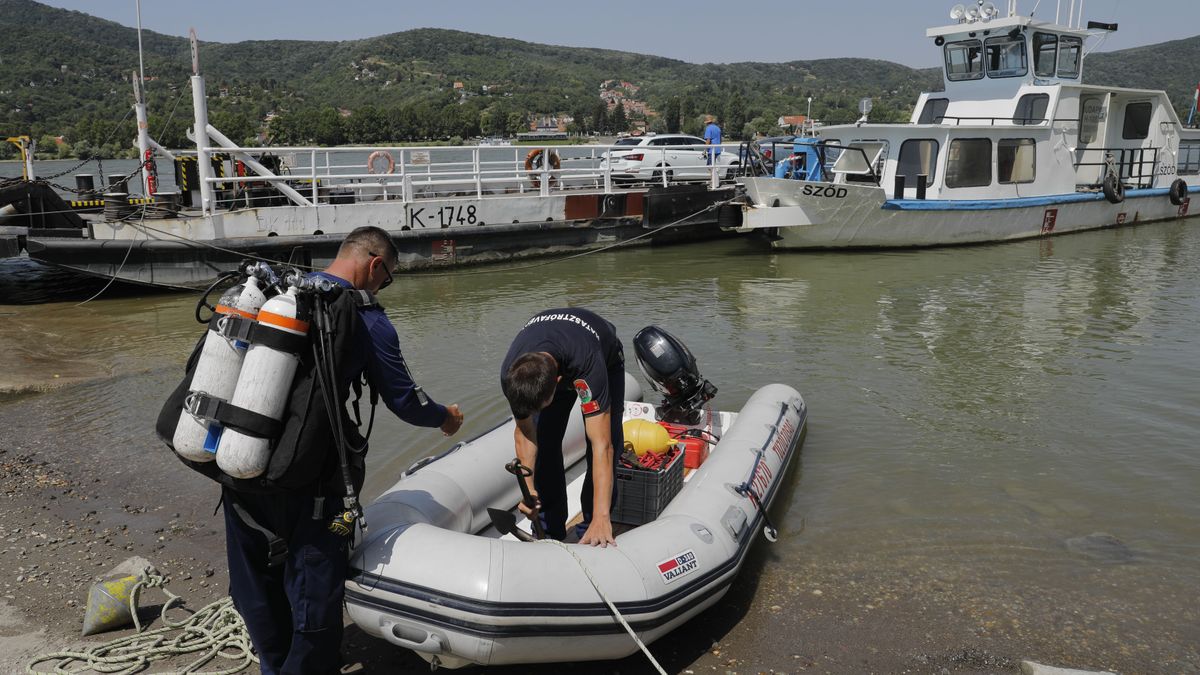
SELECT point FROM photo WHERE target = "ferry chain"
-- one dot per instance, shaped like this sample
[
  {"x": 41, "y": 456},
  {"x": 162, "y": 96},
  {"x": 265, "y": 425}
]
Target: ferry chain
[{"x": 216, "y": 630}]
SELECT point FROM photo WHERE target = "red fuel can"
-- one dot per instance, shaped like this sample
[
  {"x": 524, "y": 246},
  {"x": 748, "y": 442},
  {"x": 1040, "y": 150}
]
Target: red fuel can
[{"x": 695, "y": 450}]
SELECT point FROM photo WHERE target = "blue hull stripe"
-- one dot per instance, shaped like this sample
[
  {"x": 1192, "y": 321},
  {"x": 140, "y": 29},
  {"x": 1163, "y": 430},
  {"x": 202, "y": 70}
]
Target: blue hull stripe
[{"x": 1015, "y": 203}]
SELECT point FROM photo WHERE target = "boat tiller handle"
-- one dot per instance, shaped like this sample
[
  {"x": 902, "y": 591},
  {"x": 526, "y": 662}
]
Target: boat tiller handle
[
  {"x": 522, "y": 472},
  {"x": 415, "y": 639}
]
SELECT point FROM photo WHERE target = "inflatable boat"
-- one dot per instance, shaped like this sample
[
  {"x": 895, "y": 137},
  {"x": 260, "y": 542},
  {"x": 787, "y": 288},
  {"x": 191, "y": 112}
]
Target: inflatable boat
[{"x": 435, "y": 575}]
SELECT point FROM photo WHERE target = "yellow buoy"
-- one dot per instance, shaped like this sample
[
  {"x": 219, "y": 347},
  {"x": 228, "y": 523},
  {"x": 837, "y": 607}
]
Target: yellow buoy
[
  {"x": 646, "y": 436},
  {"x": 108, "y": 605}
]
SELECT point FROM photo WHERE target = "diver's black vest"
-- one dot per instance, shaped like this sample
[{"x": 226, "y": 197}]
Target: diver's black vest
[{"x": 304, "y": 456}]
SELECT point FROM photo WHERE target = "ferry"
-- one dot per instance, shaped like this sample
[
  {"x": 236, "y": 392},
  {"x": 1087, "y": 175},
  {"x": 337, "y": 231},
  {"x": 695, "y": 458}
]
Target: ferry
[
  {"x": 1016, "y": 146},
  {"x": 443, "y": 206}
]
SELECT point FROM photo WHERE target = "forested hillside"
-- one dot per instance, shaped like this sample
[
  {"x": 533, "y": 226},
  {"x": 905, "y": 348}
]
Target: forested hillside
[{"x": 68, "y": 75}]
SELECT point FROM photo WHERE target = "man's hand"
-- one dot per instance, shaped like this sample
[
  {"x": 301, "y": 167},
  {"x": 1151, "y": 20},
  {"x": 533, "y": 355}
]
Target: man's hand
[
  {"x": 454, "y": 420},
  {"x": 528, "y": 510},
  {"x": 599, "y": 533}
]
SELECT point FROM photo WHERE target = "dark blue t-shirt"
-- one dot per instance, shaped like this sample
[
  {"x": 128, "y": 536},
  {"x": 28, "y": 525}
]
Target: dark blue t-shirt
[
  {"x": 585, "y": 346},
  {"x": 378, "y": 355}
]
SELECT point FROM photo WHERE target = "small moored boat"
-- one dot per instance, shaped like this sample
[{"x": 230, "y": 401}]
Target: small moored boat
[{"x": 435, "y": 576}]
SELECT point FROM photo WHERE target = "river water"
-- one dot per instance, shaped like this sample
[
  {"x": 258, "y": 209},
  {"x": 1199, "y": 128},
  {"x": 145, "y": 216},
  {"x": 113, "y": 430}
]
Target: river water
[{"x": 1016, "y": 426}]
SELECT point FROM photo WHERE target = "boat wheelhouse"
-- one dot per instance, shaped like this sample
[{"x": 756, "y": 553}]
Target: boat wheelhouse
[{"x": 1014, "y": 146}]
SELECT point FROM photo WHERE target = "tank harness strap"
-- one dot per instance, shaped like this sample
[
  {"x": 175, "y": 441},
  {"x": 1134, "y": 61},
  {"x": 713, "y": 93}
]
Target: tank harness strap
[
  {"x": 200, "y": 404},
  {"x": 241, "y": 329},
  {"x": 364, "y": 299},
  {"x": 277, "y": 548}
]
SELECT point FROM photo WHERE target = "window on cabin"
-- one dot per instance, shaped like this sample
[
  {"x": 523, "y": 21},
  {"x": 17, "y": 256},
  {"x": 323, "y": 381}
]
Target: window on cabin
[
  {"x": 917, "y": 156},
  {"x": 1091, "y": 113},
  {"x": 1031, "y": 109},
  {"x": 964, "y": 60},
  {"x": 1137, "y": 121},
  {"x": 862, "y": 161},
  {"x": 934, "y": 111},
  {"x": 1189, "y": 158},
  {"x": 1069, "y": 49},
  {"x": 1006, "y": 56},
  {"x": 1016, "y": 160},
  {"x": 969, "y": 163},
  {"x": 1045, "y": 54}
]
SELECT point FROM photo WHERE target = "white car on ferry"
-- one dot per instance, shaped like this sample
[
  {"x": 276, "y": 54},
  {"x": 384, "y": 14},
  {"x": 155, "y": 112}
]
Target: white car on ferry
[{"x": 672, "y": 157}]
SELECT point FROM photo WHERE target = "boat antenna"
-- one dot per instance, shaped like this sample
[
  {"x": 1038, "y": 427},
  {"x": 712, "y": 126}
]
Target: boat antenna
[{"x": 1035, "y": 7}]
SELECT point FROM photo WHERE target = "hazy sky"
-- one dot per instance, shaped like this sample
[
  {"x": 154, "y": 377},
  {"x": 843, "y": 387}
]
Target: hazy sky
[{"x": 699, "y": 31}]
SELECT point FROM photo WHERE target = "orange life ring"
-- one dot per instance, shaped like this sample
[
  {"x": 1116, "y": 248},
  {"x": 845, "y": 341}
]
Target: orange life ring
[
  {"x": 384, "y": 155},
  {"x": 533, "y": 165}
]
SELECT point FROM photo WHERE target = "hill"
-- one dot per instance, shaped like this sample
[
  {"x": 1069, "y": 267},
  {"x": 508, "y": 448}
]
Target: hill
[{"x": 434, "y": 83}]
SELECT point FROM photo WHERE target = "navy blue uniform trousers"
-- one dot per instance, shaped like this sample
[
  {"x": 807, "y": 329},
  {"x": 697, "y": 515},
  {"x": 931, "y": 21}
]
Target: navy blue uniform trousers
[
  {"x": 549, "y": 473},
  {"x": 293, "y": 611}
]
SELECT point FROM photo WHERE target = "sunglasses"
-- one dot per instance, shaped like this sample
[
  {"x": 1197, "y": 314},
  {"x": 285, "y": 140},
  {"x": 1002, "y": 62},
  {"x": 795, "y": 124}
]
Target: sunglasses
[{"x": 386, "y": 282}]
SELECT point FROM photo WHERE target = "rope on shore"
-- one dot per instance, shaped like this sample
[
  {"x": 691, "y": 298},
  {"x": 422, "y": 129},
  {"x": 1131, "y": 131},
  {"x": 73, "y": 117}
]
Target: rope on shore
[
  {"x": 613, "y": 608},
  {"x": 215, "y": 630}
]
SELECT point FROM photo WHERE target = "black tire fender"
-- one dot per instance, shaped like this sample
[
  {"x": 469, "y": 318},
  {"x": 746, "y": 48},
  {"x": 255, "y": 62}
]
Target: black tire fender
[
  {"x": 1178, "y": 192},
  {"x": 1114, "y": 190}
]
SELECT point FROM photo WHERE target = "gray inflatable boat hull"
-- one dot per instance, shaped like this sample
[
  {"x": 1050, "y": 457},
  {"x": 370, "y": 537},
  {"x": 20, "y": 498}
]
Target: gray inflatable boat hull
[{"x": 434, "y": 577}]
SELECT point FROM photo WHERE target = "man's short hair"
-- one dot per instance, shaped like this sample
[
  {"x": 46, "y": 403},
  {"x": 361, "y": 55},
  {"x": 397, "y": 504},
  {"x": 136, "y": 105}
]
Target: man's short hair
[
  {"x": 529, "y": 383},
  {"x": 369, "y": 239}
]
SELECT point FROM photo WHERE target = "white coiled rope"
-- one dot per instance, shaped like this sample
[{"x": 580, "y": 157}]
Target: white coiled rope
[{"x": 215, "y": 630}]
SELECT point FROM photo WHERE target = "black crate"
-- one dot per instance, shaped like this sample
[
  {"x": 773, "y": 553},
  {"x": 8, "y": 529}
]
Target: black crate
[{"x": 642, "y": 494}]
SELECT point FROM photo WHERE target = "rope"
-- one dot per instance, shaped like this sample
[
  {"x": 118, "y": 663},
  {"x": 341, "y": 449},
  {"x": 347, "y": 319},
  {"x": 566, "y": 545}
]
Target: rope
[
  {"x": 215, "y": 630},
  {"x": 112, "y": 279},
  {"x": 613, "y": 608}
]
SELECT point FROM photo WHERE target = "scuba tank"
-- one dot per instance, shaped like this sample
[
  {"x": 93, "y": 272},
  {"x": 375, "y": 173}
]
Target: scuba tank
[
  {"x": 263, "y": 386},
  {"x": 217, "y": 370}
]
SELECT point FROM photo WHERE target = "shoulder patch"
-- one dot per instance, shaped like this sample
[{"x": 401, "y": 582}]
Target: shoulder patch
[{"x": 586, "y": 404}]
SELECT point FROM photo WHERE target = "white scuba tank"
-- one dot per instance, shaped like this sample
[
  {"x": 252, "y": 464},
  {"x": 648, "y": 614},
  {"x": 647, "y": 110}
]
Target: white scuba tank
[
  {"x": 216, "y": 372},
  {"x": 262, "y": 387}
]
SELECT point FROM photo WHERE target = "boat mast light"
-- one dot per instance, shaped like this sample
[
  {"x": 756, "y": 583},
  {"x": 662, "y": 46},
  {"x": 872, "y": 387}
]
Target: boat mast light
[{"x": 958, "y": 13}]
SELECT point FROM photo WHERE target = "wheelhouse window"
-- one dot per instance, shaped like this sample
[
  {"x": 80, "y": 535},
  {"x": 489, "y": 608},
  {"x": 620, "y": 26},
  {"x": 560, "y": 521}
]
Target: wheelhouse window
[
  {"x": 917, "y": 156},
  {"x": 969, "y": 163},
  {"x": 1016, "y": 160},
  {"x": 1031, "y": 109},
  {"x": 1006, "y": 56},
  {"x": 934, "y": 111},
  {"x": 1069, "y": 49},
  {"x": 1137, "y": 121},
  {"x": 1189, "y": 158},
  {"x": 964, "y": 60},
  {"x": 1045, "y": 54}
]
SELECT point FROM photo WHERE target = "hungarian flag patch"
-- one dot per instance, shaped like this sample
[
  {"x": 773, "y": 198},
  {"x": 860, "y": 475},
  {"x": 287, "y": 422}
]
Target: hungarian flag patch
[{"x": 586, "y": 404}]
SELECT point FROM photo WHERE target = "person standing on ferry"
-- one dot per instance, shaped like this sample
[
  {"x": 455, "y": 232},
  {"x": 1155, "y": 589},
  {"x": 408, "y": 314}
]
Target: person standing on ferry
[{"x": 712, "y": 138}]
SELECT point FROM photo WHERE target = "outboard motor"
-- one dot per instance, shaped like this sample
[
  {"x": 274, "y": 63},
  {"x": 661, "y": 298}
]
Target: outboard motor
[{"x": 671, "y": 370}]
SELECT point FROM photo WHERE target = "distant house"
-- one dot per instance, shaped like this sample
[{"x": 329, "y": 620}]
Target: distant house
[
  {"x": 458, "y": 85},
  {"x": 791, "y": 122}
]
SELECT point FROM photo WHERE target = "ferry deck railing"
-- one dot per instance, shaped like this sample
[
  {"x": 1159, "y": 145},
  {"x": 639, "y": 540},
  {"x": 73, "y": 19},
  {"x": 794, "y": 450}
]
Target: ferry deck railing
[{"x": 325, "y": 175}]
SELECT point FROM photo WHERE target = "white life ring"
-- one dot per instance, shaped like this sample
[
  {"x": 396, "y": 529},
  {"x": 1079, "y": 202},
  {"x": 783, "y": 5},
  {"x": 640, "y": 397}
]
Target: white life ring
[{"x": 385, "y": 156}]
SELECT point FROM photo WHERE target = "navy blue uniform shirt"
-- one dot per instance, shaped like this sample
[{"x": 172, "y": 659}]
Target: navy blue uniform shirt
[
  {"x": 583, "y": 343},
  {"x": 378, "y": 355}
]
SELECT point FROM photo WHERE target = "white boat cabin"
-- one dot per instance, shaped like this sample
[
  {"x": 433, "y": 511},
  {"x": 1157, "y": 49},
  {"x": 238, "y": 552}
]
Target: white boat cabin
[{"x": 1015, "y": 120}]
